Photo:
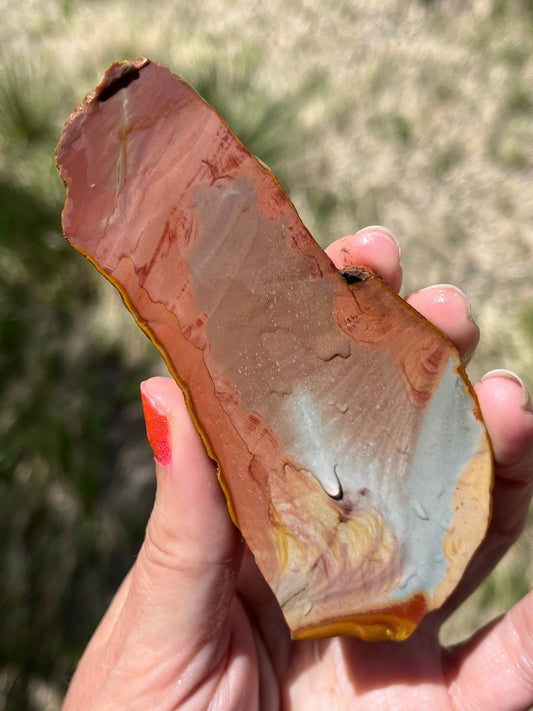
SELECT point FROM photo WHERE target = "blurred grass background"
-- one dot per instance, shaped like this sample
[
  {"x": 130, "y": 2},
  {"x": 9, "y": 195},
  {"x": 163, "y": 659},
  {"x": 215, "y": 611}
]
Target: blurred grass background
[{"x": 413, "y": 114}]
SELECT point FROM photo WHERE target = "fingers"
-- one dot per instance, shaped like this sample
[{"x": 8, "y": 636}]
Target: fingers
[
  {"x": 374, "y": 247},
  {"x": 506, "y": 408},
  {"x": 187, "y": 567},
  {"x": 168, "y": 626},
  {"x": 448, "y": 309},
  {"x": 444, "y": 305},
  {"x": 494, "y": 670},
  {"x": 507, "y": 411}
]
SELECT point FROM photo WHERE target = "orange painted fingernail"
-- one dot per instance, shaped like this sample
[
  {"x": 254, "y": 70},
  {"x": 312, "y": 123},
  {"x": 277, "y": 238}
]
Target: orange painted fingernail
[{"x": 157, "y": 431}]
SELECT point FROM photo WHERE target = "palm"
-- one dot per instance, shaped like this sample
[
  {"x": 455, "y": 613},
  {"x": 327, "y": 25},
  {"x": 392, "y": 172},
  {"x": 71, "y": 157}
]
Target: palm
[
  {"x": 344, "y": 673},
  {"x": 334, "y": 673}
]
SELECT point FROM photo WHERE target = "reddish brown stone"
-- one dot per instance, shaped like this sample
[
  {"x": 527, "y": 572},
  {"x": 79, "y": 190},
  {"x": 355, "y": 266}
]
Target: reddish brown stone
[{"x": 349, "y": 441}]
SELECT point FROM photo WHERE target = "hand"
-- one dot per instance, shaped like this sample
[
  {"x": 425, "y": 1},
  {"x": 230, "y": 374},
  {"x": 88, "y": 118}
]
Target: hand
[{"x": 194, "y": 625}]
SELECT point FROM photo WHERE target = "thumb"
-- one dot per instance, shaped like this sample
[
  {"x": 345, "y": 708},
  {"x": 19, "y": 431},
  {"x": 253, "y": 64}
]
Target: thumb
[
  {"x": 167, "y": 628},
  {"x": 184, "y": 579}
]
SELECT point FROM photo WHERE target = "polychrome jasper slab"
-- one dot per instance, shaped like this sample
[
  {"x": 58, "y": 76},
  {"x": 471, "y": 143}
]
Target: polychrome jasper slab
[{"x": 349, "y": 441}]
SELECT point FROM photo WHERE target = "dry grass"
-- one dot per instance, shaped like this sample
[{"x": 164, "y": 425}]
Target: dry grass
[{"x": 416, "y": 115}]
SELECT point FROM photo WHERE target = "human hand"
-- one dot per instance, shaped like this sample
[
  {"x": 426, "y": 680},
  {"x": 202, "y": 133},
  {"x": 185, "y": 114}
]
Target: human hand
[{"x": 194, "y": 626}]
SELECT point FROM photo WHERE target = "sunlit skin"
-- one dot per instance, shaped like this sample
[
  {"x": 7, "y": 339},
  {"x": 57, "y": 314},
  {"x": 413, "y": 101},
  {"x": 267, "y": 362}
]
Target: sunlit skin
[{"x": 195, "y": 627}]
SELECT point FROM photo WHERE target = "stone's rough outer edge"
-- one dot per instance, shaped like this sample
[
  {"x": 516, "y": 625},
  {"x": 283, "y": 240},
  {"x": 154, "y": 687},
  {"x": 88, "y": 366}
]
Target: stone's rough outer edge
[{"x": 204, "y": 247}]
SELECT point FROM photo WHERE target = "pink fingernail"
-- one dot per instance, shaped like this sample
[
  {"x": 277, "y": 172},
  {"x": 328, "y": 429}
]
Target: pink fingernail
[
  {"x": 372, "y": 229},
  {"x": 525, "y": 402},
  {"x": 440, "y": 291},
  {"x": 157, "y": 431}
]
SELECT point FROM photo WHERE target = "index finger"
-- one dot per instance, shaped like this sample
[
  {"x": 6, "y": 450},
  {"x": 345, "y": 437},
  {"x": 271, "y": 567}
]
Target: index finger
[{"x": 375, "y": 247}]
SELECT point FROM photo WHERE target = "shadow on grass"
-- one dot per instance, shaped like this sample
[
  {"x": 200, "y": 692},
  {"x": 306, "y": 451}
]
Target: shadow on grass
[{"x": 75, "y": 477}]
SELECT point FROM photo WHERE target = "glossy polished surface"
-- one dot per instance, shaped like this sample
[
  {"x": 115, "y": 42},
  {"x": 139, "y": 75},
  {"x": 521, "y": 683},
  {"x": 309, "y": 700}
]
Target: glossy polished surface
[{"x": 349, "y": 441}]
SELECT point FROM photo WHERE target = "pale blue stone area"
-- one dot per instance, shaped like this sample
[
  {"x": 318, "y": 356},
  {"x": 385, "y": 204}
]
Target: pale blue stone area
[
  {"x": 412, "y": 489},
  {"x": 448, "y": 441},
  {"x": 316, "y": 445}
]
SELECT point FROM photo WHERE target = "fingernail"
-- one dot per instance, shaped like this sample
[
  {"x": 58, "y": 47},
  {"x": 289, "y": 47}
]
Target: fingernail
[
  {"x": 373, "y": 229},
  {"x": 442, "y": 292},
  {"x": 525, "y": 402},
  {"x": 157, "y": 431}
]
